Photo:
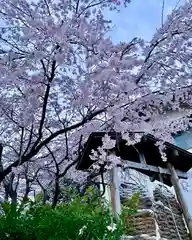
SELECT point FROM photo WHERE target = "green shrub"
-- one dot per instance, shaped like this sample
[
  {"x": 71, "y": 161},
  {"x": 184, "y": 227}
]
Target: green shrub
[
  {"x": 132, "y": 203},
  {"x": 80, "y": 219},
  {"x": 39, "y": 197}
]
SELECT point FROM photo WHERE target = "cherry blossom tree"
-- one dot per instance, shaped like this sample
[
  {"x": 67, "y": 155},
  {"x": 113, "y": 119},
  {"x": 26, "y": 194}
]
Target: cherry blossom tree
[{"x": 58, "y": 72}]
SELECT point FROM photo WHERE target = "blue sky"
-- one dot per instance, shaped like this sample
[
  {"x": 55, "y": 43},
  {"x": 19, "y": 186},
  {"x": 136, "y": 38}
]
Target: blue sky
[{"x": 141, "y": 19}]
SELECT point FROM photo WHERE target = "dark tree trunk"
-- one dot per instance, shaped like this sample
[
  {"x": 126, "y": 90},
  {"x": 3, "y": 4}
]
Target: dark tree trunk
[
  {"x": 56, "y": 192},
  {"x": 6, "y": 195},
  {"x": 27, "y": 190},
  {"x": 14, "y": 198},
  {"x": 45, "y": 196},
  {"x": 9, "y": 192}
]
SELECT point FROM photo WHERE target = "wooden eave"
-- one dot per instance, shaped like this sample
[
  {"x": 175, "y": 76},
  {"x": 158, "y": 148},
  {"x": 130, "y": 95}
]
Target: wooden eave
[{"x": 182, "y": 161}]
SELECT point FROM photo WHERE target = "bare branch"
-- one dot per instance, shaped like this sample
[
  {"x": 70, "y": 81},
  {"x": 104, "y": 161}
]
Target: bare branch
[
  {"x": 45, "y": 102},
  {"x": 29, "y": 141},
  {"x": 77, "y": 6},
  {"x": 90, "y": 5},
  {"x": 21, "y": 144},
  {"x": 47, "y": 6},
  {"x": 162, "y": 12},
  {"x": 68, "y": 167}
]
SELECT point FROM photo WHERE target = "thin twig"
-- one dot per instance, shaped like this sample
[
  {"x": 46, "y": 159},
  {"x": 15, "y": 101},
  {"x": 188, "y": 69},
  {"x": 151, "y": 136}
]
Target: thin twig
[
  {"x": 47, "y": 5},
  {"x": 162, "y": 12}
]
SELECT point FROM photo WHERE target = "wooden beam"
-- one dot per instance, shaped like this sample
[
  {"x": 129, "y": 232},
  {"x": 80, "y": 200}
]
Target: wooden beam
[
  {"x": 142, "y": 158},
  {"x": 150, "y": 168},
  {"x": 115, "y": 194},
  {"x": 180, "y": 197}
]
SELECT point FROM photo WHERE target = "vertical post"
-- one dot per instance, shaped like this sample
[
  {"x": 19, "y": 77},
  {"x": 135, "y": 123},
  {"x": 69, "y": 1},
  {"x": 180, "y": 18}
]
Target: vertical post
[
  {"x": 180, "y": 197},
  {"x": 115, "y": 195}
]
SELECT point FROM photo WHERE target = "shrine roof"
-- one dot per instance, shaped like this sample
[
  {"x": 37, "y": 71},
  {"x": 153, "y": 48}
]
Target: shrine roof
[{"x": 182, "y": 160}]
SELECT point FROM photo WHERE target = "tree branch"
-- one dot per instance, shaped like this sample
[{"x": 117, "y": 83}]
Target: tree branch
[
  {"x": 47, "y": 6},
  {"x": 34, "y": 151},
  {"x": 45, "y": 102},
  {"x": 62, "y": 131},
  {"x": 30, "y": 139},
  {"x": 77, "y": 7}
]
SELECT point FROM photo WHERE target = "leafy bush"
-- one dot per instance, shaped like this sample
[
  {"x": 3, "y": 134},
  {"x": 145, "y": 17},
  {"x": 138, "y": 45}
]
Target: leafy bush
[
  {"x": 132, "y": 203},
  {"x": 78, "y": 220}
]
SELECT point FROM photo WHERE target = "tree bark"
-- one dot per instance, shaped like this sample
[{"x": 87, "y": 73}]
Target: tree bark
[
  {"x": 14, "y": 198},
  {"x": 27, "y": 190},
  {"x": 56, "y": 192}
]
